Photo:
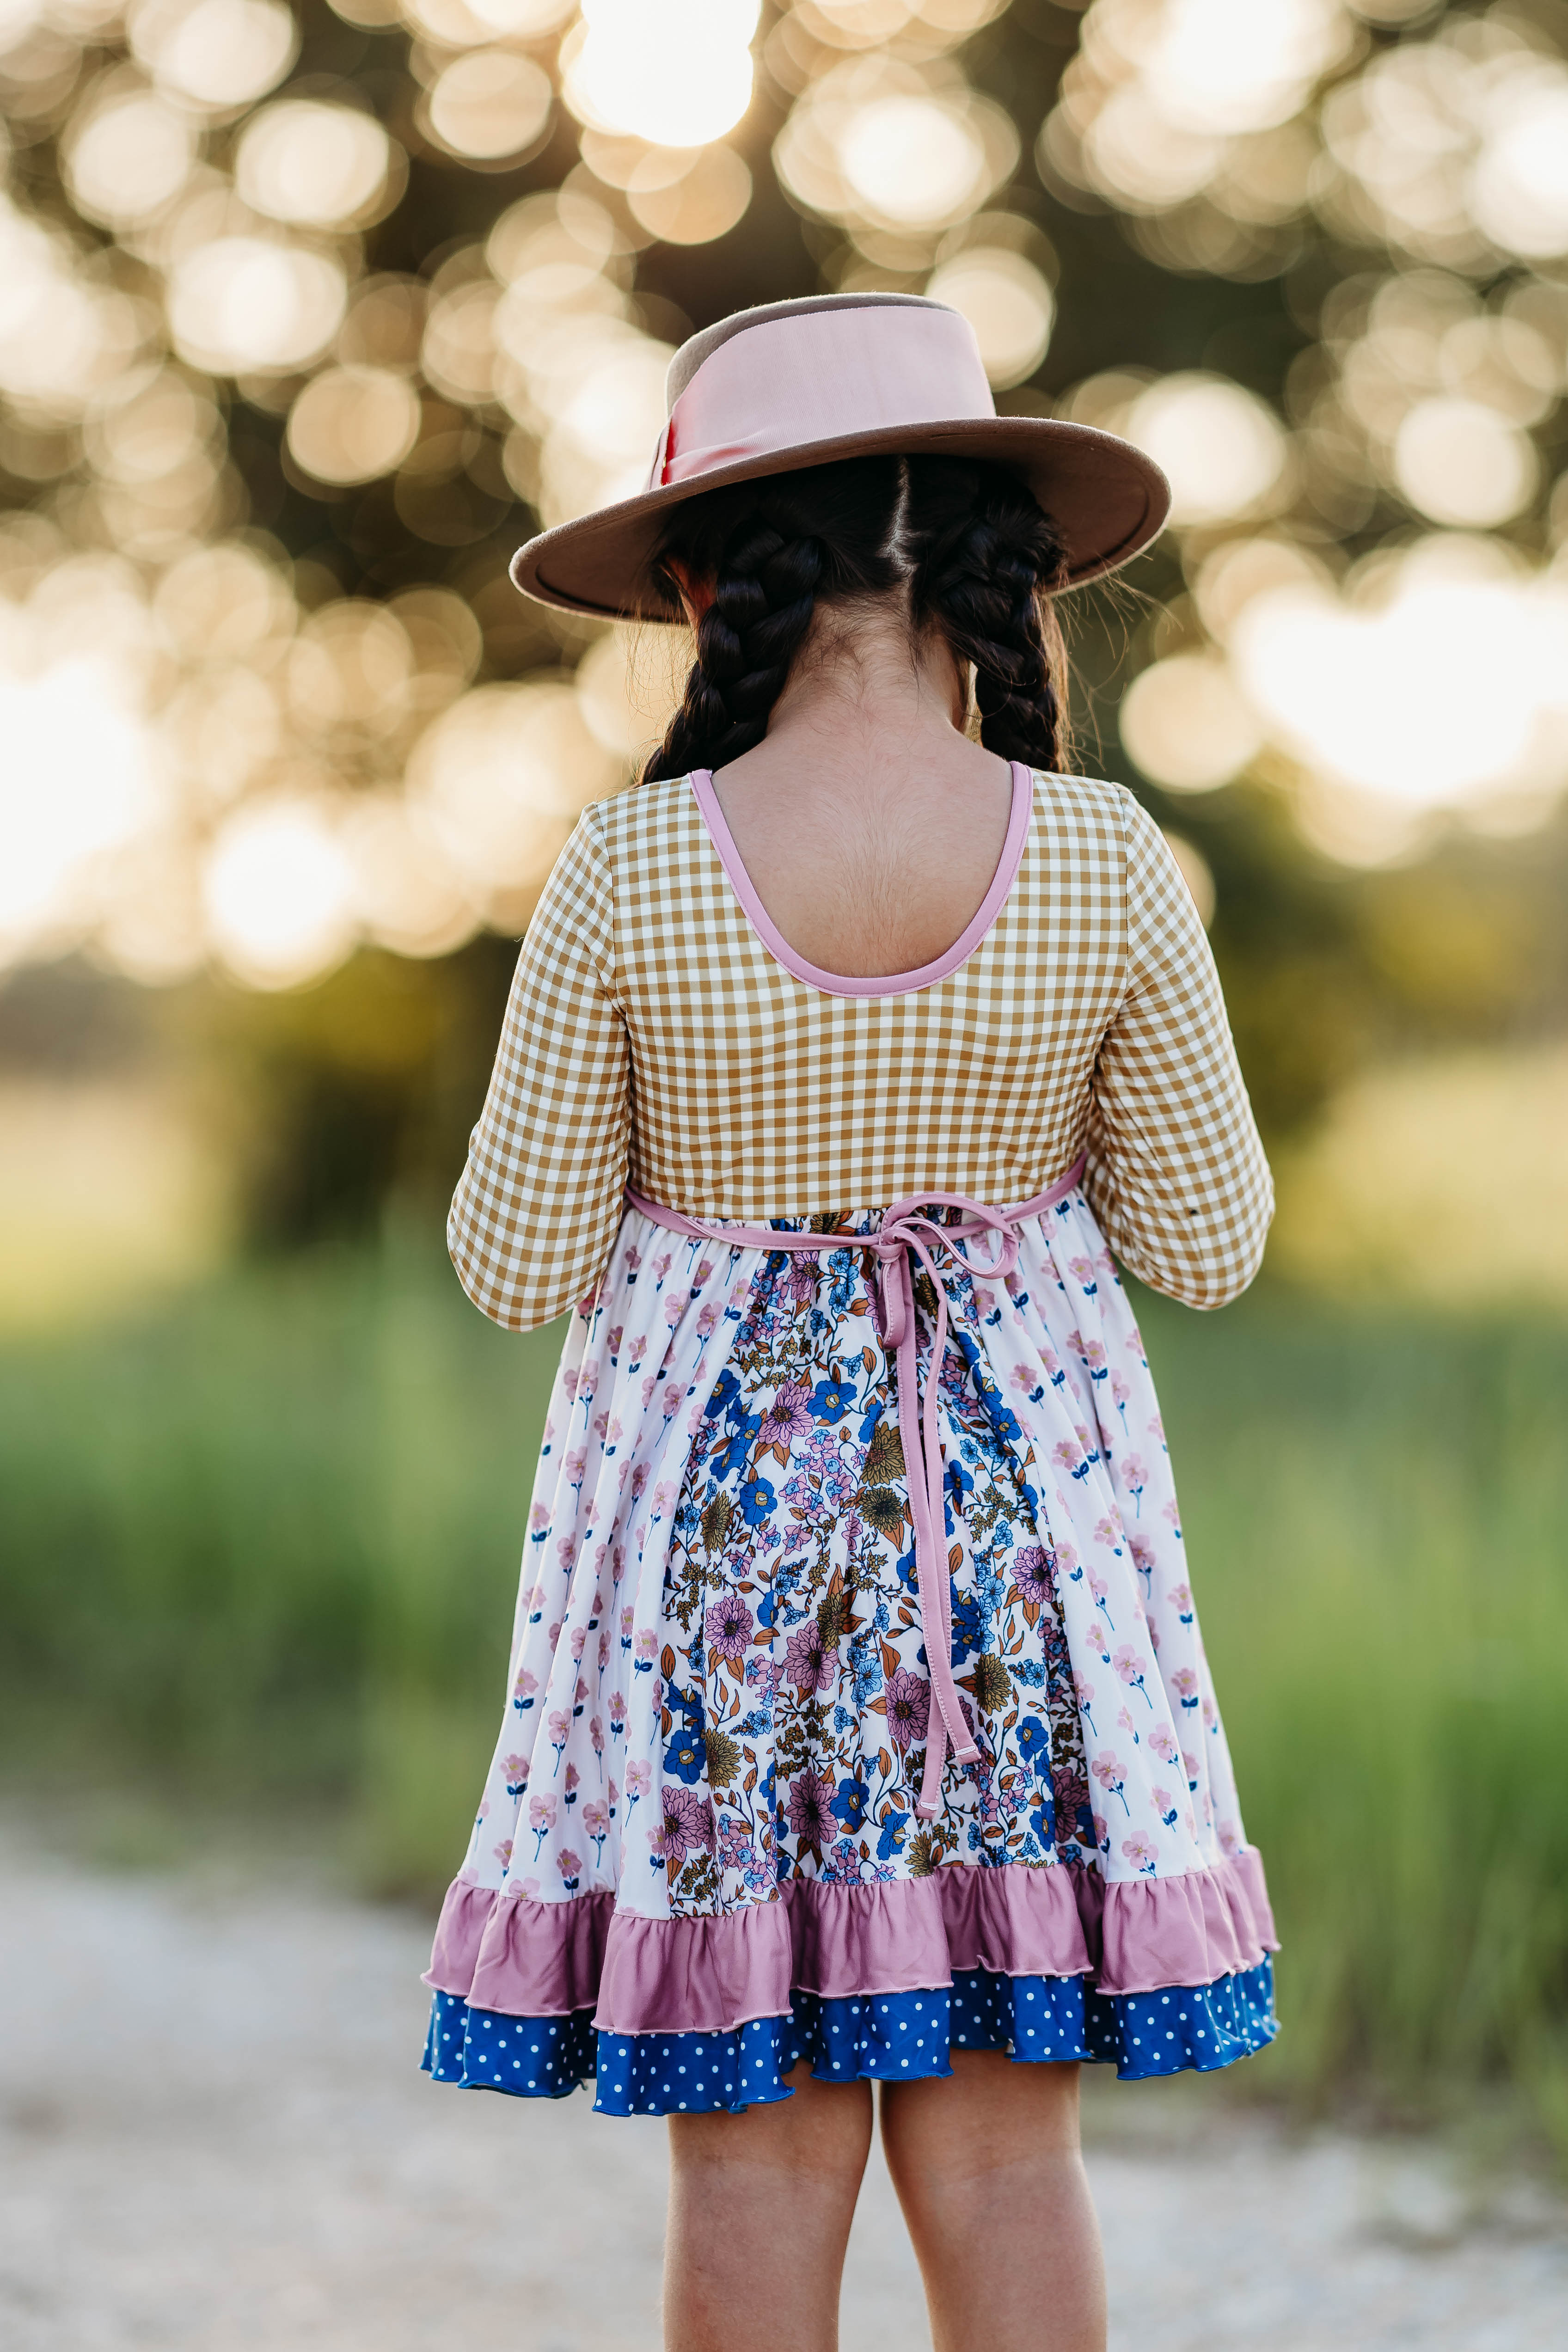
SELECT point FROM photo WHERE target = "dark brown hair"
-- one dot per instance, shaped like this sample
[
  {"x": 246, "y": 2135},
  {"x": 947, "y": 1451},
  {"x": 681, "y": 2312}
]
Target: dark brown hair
[{"x": 966, "y": 545}]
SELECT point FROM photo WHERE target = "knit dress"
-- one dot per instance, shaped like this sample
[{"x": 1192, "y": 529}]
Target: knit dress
[{"x": 858, "y": 1709}]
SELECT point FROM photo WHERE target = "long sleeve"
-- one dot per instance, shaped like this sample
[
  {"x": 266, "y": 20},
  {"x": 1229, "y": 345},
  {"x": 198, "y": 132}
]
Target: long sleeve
[
  {"x": 535, "y": 1215},
  {"x": 1176, "y": 1171}
]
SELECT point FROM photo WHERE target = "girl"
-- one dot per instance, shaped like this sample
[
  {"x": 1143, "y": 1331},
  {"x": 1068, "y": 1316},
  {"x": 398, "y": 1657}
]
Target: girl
[{"x": 859, "y": 1727}]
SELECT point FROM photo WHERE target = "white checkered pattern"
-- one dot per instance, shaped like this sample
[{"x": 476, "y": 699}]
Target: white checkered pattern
[{"x": 652, "y": 1038}]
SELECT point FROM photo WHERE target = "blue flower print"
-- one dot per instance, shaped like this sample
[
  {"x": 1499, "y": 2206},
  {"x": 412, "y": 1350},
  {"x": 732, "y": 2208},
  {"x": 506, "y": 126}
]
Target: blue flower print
[
  {"x": 726, "y": 1388},
  {"x": 730, "y": 1459},
  {"x": 1034, "y": 1739},
  {"x": 874, "y": 1415},
  {"x": 685, "y": 1757},
  {"x": 1043, "y": 1819},
  {"x": 850, "y": 1803},
  {"x": 968, "y": 1633},
  {"x": 756, "y": 1502},
  {"x": 895, "y": 1829},
  {"x": 831, "y": 1400}
]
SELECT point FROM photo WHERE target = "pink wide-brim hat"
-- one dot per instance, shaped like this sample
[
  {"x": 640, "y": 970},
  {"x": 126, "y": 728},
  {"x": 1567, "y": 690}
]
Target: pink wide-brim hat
[{"x": 840, "y": 376}]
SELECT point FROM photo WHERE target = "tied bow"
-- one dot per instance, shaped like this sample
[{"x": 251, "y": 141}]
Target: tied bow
[{"x": 905, "y": 1238}]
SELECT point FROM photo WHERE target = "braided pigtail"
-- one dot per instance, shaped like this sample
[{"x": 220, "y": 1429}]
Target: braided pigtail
[
  {"x": 772, "y": 548},
  {"x": 985, "y": 559}
]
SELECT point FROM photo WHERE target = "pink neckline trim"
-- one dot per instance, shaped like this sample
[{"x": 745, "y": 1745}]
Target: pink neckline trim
[{"x": 893, "y": 984}]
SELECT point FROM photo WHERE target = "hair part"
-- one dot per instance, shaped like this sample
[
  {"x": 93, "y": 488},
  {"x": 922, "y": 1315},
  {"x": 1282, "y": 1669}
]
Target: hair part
[{"x": 964, "y": 546}]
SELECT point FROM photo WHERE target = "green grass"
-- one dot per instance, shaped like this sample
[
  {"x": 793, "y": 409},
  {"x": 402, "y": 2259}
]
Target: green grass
[{"x": 259, "y": 1555}]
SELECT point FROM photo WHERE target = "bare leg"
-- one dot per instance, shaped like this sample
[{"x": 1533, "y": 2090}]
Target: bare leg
[
  {"x": 988, "y": 2172},
  {"x": 760, "y": 2207}
]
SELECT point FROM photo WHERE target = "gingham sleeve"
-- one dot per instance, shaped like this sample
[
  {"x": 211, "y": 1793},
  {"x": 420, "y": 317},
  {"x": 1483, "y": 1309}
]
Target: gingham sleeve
[
  {"x": 1176, "y": 1173},
  {"x": 535, "y": 1217}
]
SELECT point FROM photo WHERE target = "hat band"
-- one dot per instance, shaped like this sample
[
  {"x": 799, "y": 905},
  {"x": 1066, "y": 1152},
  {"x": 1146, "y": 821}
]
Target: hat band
[{"x": 827, "y": 375}]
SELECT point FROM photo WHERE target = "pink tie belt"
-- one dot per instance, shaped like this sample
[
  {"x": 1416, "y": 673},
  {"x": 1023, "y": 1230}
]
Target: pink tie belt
[{"x": 904, "y": 1237}]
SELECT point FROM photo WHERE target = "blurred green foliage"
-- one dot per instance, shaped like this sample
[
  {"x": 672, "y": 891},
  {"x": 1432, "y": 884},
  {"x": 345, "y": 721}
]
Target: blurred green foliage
[{"x": 262, "y": 1546}]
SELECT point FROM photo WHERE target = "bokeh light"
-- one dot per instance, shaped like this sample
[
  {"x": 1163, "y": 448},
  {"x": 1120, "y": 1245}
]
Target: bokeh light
[
  {"x": 279, "y": 892},
  {"x": 126, "y": 155},
  {"x": 678, "y": 72},
  {"x": 309, "y": 164},
  {"x": 490, "y": 104},
  {"x": 1224, "y": 450},
  {"x": 241, "y": 303},
  {"x": 1007, "y": 302},
  {"x": 218, "y": 54},
  {"x": 351, "y": 423}
]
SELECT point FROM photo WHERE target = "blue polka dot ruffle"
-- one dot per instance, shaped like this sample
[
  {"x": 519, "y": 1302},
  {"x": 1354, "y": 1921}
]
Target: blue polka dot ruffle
[{"x": 885, "y": 2037}]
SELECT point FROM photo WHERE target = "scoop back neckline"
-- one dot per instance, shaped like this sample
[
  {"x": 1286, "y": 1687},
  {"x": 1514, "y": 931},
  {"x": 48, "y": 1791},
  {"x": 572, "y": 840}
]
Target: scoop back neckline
[{"x": 893, "y": 984}]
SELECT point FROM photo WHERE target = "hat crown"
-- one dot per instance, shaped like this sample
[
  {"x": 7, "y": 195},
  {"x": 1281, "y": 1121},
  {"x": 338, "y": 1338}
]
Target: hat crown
[{"x": 792, "y": 377}]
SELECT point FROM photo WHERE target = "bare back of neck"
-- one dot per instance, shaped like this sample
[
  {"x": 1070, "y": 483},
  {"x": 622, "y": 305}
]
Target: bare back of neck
[{"x": 870, "y": 826}]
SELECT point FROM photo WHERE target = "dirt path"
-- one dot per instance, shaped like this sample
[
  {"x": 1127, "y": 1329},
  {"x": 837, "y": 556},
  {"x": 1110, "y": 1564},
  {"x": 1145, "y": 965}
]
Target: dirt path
[{"x": 211, "y": 2136}]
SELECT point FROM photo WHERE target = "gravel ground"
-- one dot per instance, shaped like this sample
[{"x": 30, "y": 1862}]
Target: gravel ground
[{"x": 213, "y": 2136}]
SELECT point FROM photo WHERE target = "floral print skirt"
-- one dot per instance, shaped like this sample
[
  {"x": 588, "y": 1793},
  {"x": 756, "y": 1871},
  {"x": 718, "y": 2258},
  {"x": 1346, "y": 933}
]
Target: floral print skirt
[{"x": 697, "y": 1862}]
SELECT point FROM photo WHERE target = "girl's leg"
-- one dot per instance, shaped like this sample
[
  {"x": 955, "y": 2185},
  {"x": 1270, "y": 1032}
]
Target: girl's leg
[
  {"x": 760, "y": 2207},
  {"x": 988, "y": 2172}
]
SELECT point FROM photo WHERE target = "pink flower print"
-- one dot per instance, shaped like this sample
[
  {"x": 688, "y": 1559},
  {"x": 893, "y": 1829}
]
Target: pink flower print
[
  {"x": 1101, "y": 1833},
  {"x": 1121, "y": 1395},
  {"x": 1067, "y": 1563},
  {"x": 1094, "y": 1357},
  {"x": 570, "y": 1866},
  {"x": 1068, "y": 1457},
  {"x": 613, "y": 1339},
  {"x": 618, "y": 1557},
  {"x": 633, "y": 1260},
  {"x": 1211, "y": 1719},
  {"x": 1181, "y": 1599},
  {"x": 553, "y": 1635},
  {"x": 1169, "y": 1511},
  {"x": 671, "y": 1400},
  {"x": 646, "y": 1647},
  {"x": 1140, "y": 1854},
  {"x": 530, "y": 1889},
  {"x": 788, "y": 1416},
  {"x": 559, "y": 1727},
  {"x": 1133, "y": 1669},
  {"x": 1229, "y": 1838},
  {"x": 522, "y": 1690},
  {"x": 763, "y": 1675},
  {"x": 1032, "y": 1575},
  {"x": 1100, "y": 1590},
  {"x": 1185, "y": 1682},
  {"x": 1135, "y": 1338},
  {"x": 604, "y": 1650},
  {"x": 1075, "y": 1341},
  {"x": 542, "y": 1813},
  {"x": 596, "y": 1825},
  {"x": 576, "y": 1462},
  {"x": 1157, "y": 1432},
  {"x": 1124, "y": 1723},
  {"x": 1142, "y": 1558},
  {"x": 1190, "y": 1766},
  {"x": 1166, "y": 1806},
  {"x": 579, "y": 1642},
  {"x": 809, "y": 1663},
  {"x": 1052, "y": 1363},
  {"x": 810, "y": 1804},
  {"x": 503, "y": 1854},
  {"x": 1111, "y": 1774},
  {"x": 638, "y": 1351},
  {"x": 639, "y": 1779},
  {"x": 1083, "y": 1691},
  {"x": 639, "y": 1476},
  {"x": 516, "y": 1771},
  {"x": 1107, "y": 1531},
  {"x": 1134, "y": 1478},
  {"x": 801, "y": 1277},
  {"x": 618, "y": 1713},
  {"x": 1082, "y": 1270},
  {"x": 728, "y": 1625},
  {"x": 708, "y": 1320},
  {"x": 569, "y": 1382},
  {"x": 674, "y": 1306},
  {"x": 572, "y": 1778},
  {"x": 688, "y": 1824},
  {"x": 703, "y": 1273},
  {"x": 614, "y": 1798},
  {"x": 539, "y": 1519},
  {"x": 1024, "y": 1378},
  {"x": 664, "y": 1496},
  {"x": 596, "y": 1735},
  {"x": 1162, "y": 1744},
  {"x": 627, "y": 1615},
  {"x": 661, "y": 1266},
  {"x": 648, "y": 1386},
  {"x": 908, "y": 1700},
  {"x": 601, "y": 1426}
]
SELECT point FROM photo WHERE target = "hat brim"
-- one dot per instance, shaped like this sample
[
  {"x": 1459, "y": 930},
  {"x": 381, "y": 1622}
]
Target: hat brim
[{"x": 1107, "y": 500}]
